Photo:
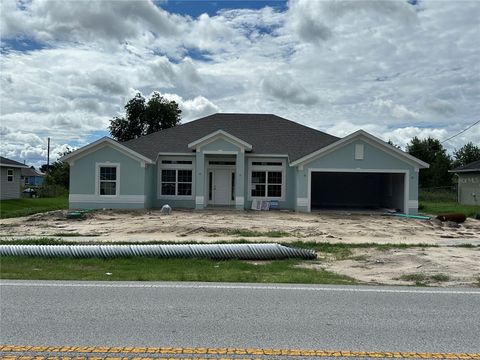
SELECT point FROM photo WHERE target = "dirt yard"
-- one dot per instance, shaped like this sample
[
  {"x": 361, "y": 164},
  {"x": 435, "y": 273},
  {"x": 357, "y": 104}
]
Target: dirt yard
[{"x": 447, "y": 265}]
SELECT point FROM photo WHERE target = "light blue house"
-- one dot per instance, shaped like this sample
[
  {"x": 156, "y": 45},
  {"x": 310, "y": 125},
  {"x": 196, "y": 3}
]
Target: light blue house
[
  {"x": 244, "y": 160},
  {"x": 32, "y": 177}
]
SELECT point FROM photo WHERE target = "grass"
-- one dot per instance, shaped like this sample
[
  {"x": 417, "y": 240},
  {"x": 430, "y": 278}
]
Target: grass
[
  {"x": 342, "y": 251},
  {"x": 28, "y": 206},
  {"x": 153, "y": 269},
  {"x": 443, "y": 202},
  {"x": 436, "y": 208},
  {"x": 422, "y": 279}
]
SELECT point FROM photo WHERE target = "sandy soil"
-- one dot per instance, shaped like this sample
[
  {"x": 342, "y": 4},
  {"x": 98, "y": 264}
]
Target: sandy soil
[
  {"x": 443, "y": 266},
  {"x": 209, "y": 225},
  {"x": 460, "y": 264}
]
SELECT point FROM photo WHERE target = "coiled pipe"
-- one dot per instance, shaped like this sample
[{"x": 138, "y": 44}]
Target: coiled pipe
[{"x": 209, "y": 251}]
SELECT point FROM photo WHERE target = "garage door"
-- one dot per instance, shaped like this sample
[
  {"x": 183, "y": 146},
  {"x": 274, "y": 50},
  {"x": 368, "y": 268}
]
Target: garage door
[{"x": 357, "y": 190}]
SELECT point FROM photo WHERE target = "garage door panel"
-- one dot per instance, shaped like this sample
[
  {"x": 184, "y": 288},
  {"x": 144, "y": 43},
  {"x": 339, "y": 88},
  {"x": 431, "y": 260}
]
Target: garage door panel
[{"x": 356, "y": 190}]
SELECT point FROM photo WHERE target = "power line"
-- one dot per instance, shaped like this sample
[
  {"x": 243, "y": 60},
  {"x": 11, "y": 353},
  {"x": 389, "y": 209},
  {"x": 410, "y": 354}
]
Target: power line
[{"x": 461, "y": 132}]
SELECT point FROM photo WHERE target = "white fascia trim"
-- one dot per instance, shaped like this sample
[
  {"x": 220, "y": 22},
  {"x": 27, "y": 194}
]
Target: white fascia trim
[
  {"x": 175, "y": 154},
  {"x": 266, "y": 155},
  {"x": 239, "y": 200},
  {"x": 219, "y": 152},
  {"x": 14, "y": 166},
  {"x": 125, "y": 199},
  {"x": 83, "y": 151},
  {"x": 220, "y": 134},
  {"x": 392, "y": 171},
  {"x": 380, "y": 143}
]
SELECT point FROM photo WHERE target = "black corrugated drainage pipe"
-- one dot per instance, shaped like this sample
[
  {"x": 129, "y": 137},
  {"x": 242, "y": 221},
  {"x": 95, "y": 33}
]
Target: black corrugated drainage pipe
[{"x": 209, "y": 251}]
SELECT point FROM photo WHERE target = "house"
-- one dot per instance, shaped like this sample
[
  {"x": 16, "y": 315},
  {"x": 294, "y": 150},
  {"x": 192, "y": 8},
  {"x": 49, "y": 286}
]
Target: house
[
  {"x": 232, "y": 160},
  {"x": 31, "y": 177},
  {"x": 468, "y": 183},
  {"x": 10, "y": 178}
]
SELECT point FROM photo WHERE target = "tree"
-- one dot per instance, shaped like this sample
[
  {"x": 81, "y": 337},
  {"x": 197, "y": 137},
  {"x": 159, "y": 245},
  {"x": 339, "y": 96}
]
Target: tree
[
  {"x": 468, "y": 153},
  {"x": 58, "y": 172},
  {"x": 144, "y": 117},
  {"x": 431, "y": 151}
]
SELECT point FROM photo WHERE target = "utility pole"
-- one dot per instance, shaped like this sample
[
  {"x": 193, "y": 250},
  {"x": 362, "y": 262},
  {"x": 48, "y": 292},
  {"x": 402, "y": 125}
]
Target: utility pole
[{"x": 48, "y": 156}]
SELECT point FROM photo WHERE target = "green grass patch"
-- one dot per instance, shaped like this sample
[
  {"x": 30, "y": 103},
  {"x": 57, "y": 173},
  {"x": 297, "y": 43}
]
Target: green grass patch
[
  {"x": 153, "y": 269},
  {"x": 422, "y": 280},
  {"x": 437, "y": 208},
  {"x": 342, "y": 251},
  {"x": 28, "y": 206}
]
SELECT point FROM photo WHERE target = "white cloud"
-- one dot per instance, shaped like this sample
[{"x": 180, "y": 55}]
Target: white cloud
[{"x": 391, "y": 68}]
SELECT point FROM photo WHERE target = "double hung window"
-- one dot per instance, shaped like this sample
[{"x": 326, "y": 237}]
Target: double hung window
[{"x": 108, "y": 180}]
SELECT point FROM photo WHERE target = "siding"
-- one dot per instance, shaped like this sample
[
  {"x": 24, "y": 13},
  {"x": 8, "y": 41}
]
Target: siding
[{"x": 9, "y": 190}]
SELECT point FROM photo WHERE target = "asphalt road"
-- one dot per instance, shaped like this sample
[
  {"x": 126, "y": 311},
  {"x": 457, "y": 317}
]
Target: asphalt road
[{"x": 240, "y": 315}]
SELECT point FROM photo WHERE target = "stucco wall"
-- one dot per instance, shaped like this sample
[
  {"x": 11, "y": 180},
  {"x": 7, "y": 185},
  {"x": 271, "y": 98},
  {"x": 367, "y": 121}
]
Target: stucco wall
[
  {"x": 344, "y": 159},
  {"x": 131, "y": 176},
  {"x": 9, "y": 190}
]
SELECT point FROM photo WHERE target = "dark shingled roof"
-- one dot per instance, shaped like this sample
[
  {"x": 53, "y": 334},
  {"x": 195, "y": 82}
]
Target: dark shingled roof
[
  {"x": 30, "y": 172},
  {"x": 267, "y": 133},
  {"x": 5, "y": 162},
  {"x": 473, "y": 166}
]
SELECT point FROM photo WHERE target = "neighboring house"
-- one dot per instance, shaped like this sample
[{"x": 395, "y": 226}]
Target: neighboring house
[
  {"x": 468, "y": 183},
  {"x": 10, "y": 178},
  {"x": 234, "y": 159},
  {"x": 31, "y": 177}
]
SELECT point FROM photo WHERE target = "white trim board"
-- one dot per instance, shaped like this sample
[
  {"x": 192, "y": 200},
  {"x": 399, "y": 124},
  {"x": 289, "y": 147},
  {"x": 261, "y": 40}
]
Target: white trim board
[
  {"x": 124, "y": 199},
  {"x": 406, "y": 181}
]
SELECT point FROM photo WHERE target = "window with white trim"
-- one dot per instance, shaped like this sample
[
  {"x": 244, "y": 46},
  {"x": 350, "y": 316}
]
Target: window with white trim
[
  {"x": 108, "y": 180},
  {"x": 10, "y": 175},
  {"x": 176, "y": 182},
  {"x": 267, "y": 179}
]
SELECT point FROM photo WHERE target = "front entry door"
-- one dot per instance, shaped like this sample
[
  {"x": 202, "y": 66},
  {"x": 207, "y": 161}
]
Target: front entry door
[{"x": 221, "y": 187}]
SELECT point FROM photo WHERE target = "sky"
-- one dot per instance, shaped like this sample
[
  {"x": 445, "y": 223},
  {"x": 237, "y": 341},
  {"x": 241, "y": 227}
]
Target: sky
[{"x": 394, "y": 68}]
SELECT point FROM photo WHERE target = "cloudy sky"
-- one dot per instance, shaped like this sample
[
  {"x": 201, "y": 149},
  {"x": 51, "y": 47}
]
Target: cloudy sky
[{"x": 396, "y": 69}]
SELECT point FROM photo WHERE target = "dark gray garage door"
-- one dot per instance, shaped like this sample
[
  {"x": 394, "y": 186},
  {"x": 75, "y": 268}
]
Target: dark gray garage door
[{"x": 355, "y": 190}]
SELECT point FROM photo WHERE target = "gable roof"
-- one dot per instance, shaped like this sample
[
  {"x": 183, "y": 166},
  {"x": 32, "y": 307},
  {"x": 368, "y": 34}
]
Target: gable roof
[
  {"x": 31, "y": 172},
  {"x": 79, "y": 153},
  {"x": 11, "y": 163},
  {"x": 471, "y": 167},
  {"x": 266, "y": 133},
  {"x": 392, "y": 150},
  {"x": 220, "y": 134}
]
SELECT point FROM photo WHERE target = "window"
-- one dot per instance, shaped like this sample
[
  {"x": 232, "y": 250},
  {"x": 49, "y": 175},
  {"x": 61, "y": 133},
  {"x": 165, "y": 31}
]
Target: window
[
  {"x": 176, "y": 182},
  {"x": 185, "y": 162},
  {"x": 266, "y": 163},
  {"x": 267, "y": 183},
  {"x": 108, "y": 180},
  {"x": 258, "y": 183},
  {"x": 9, "y": 175},
  {"x": 267, "y": 179},
  {"x": 221, "y": 162}
]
